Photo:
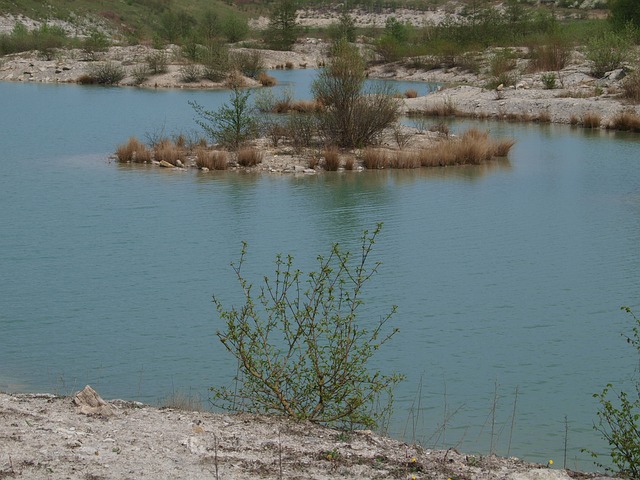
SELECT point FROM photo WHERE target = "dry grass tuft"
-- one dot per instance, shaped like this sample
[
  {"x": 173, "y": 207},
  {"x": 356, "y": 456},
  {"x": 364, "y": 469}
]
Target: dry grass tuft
[
  {"x": 331, "y": 158},
  {"x": 288, "y": 65},
  {"x": 544, "y": 117},
  {"x": 411, "y": 93},
  {"x": 133, "y": 151},
  {"x": 349, "y": 163},
  {"x": 626, "y": 121},
  {"x": 249, "y": 157},
  {"x": 212, "y": 159},
  {"x": 266, "y": 80},
  {"x": 591, "y": 120},
  {"x": 573, "y": 120},
  {"x": 403, "y": 160},
  {"x": 501, "y": 148},
  {"x": 169, "y": 152},
  {"x": 306, "y": 106},
  {"x": 374, "y": 158}
]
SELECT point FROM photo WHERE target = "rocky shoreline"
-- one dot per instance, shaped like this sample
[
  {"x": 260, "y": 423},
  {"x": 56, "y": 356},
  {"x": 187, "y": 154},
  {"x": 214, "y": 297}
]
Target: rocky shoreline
[{"x": 83, "y": 437}]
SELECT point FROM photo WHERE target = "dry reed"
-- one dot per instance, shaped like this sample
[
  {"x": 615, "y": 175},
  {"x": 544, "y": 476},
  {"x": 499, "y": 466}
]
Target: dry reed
[
  {"x": 133, "y": 151},
  {"x": 411, "y": 93},
  {"x": 248, "y": 157},
  {"x": 266, "y": 80},
  {"x": 212, "y": 159},
  {"x": 349, "y": 163},
  {"x": 626, "y": 121},
  {"x": 374, "y": 158},
  {"x": 331, "y": 158},
  {"x": 167, "y": 151},
  {"x": 591, "y": 120}
]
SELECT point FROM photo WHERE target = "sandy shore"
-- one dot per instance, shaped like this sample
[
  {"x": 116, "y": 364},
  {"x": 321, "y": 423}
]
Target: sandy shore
[{"x": 48, "y": 437}]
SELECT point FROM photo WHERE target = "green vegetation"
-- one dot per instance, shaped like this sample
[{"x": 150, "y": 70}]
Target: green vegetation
[
  {"x": 232, "y": 124},
  {"x": 283, "y": 29},
  {"x": 619, "y": 419},
  {"x": 301, "y": 349}
]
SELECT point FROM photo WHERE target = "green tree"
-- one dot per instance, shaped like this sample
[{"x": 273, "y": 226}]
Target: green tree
[
  {"x": 351, "y": 118},
  {"x": 345, "y": 29},
  {"x": 619, "y": 419},
  {"x": 232, "y": 124},
  {"x": 235, "y": 28},
  {"x": 623, "y": 12},
  {"x": 283, "y": 28},
  {"x": 301, "y": 349}
]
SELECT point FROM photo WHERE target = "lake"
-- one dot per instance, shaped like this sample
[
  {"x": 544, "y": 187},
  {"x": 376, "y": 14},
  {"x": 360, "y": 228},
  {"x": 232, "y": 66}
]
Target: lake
[{"x": 507, "y": 276}]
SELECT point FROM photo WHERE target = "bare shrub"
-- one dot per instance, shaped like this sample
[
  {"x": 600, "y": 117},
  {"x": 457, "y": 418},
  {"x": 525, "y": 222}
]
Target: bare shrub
[
  {"x": 190, "y": 73},
  {"x": 212, "y": 159},
  {"x": 374, "y": 158},
  {"x": 133, "y": 151},
  {"x": 249, "y": 157},
  {"x": 631, "y": 86},
  {"x": 301, "y": 128},
  {"x": 158, "y": 62},
  {"x": 550, "y": 57},
  {"x": 249, "y": 63},
  {"x": 108, "y": 73},
  {"x": 351, "y": 118},
  {"x": 140, "y": 74},
  {"x": 591, "y": 120},
  {"x": 331, "y": 158}
]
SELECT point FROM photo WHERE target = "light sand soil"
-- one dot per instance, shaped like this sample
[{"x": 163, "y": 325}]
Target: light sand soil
[{"x": 46, "y": 437}]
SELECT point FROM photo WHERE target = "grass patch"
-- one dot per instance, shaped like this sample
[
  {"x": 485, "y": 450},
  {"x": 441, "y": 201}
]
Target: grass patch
[
  {"x": 375, "y": 158},
  {"x": 631, "y": 87}
]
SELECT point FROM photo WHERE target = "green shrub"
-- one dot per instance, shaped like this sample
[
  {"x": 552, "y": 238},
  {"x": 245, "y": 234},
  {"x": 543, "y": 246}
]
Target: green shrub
[
  {"x": 549, "y": 80},
  {"x": 283, "y": 28},
  {"x": 235, "y": 28},
  {"x": 606, "y": 52},
  {"x": 215, "y": 60},
  {"x": 96, "y": 42},
  {"x": 619, "y": 419},
  {"x": 301, "y": 349},
  {"x": 631, "y": 86}
]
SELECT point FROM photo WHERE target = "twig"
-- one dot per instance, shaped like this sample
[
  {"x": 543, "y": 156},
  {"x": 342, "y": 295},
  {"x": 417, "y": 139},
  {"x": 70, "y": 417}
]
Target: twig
[
  {"x": 279, "y": 456},
  {"x": 566, "y": 438},
  {"x": 513, "y": 421},
  {"x": 215, "y": 455}
]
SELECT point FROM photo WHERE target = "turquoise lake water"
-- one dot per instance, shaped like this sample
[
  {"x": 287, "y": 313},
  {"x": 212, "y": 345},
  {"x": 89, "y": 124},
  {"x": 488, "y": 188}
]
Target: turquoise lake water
[{"x": 506, "y": 276}]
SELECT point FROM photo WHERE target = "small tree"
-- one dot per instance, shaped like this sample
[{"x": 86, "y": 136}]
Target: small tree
[
  {"x": 300, "y": 348},
  {"x": 619, "y": 419},
  {"x": 351, "y": 118},
  {"x": 283, "y": 28},
  {"x": 235, "y": 28},
  {"x": 232, "y": 124},
  {"x": 345, "y": 28}
]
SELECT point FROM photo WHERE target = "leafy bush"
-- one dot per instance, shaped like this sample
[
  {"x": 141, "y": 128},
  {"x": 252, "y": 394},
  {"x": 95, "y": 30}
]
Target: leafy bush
[
  {"x": 623, "y": 12},
  {"x": 548, "y": 80},
  {"x": 301, "y": 349},
  {"x": 235, "y": 28},
  {"x": 606, "y": 52},
  {"x": 216, "y": 61},
  {"x": 619, "y": 419}
]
